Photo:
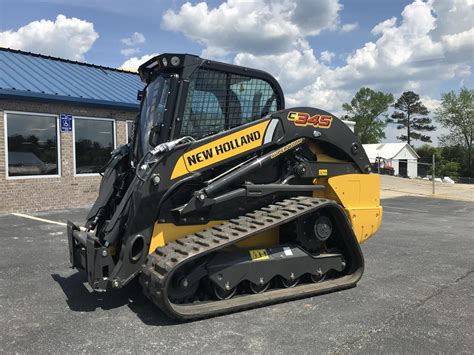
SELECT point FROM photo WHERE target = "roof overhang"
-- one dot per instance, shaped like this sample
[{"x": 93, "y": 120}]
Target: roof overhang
[
  {"x": 32, "y": 96},
  {"x": 410, "y": 149}
]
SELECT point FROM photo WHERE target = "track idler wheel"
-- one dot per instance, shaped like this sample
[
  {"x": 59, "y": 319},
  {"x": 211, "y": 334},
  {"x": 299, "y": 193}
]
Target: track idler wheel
[
  {"x": 181, "y": 290},
  {"x": 313, "y": 233}
]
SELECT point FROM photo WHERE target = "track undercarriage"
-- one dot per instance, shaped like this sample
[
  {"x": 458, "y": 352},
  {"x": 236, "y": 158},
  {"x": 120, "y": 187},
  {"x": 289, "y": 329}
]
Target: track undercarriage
[{"x": 204, "y": 274}]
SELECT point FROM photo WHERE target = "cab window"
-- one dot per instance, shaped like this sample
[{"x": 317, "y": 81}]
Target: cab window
[{"x": 219, "y": 101}]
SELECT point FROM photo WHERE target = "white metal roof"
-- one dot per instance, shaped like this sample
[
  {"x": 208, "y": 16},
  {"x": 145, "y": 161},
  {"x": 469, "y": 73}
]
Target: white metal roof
[
  {"x": 350, "y": 124},
  {"x": 390, "y": 151}
]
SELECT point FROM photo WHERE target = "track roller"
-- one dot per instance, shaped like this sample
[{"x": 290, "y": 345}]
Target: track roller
[
  {"x": 289, "y": 283},
  {"x": 318, "y": 278},
  {"x": 259, "y": 288},
  {"x": 222, "y": 294}
]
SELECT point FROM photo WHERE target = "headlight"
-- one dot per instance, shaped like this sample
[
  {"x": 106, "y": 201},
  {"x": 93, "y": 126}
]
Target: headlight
[{"x": 175, "y": 61}]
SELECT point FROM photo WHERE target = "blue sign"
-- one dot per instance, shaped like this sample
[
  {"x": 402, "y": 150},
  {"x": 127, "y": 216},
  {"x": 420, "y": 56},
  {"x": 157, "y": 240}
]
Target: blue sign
[{"x": 66, "y": 122}]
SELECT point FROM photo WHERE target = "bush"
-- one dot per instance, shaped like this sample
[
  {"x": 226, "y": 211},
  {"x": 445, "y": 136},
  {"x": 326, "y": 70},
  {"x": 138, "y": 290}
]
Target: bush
[{"x": 450, "y": 169}]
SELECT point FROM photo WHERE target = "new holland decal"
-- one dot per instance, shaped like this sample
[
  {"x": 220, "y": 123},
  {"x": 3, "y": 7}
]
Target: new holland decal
[
  {"x": 303, "y": 119},
  {"x": 220, "y": 149}
]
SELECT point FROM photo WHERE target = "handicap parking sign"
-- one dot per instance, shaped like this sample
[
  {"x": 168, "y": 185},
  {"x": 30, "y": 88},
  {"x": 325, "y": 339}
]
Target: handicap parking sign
[{"x": 66, "y": 122}]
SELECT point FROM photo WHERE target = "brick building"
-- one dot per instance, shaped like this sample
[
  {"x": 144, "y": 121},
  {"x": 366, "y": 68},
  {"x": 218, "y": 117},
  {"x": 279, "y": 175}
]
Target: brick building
[{"x": 59, "y": 121}]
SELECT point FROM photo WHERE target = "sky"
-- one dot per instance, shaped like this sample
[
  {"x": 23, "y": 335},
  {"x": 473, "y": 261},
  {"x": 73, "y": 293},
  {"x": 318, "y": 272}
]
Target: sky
[{"x": 321, "y": 51}]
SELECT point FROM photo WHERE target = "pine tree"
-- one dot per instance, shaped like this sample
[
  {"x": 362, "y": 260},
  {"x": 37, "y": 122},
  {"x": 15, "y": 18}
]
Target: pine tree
[{"x": 412, "y": 115}]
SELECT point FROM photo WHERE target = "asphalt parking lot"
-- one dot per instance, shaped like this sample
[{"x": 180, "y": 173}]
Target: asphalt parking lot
[{"x": 416, "y": 296}]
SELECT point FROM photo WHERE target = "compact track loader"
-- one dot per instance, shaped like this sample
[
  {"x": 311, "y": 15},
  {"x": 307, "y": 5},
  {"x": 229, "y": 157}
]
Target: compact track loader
[{"x": 225, "y": 200}]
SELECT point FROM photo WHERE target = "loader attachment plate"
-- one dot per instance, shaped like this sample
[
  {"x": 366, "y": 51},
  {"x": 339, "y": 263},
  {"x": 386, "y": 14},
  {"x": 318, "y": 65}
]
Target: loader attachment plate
[{"x": 86, "y": 254}]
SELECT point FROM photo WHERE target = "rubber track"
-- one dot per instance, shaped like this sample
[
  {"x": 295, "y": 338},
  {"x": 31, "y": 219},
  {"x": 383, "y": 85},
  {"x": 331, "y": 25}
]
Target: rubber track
[{"x": 162, "y": 263}]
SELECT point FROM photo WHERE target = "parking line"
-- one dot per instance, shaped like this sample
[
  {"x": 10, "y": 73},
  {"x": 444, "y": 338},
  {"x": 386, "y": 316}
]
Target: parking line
[
  {"x": 404, "y": 209},
  {"x": 38, "y": 219},
  {"x": 385, "y": 211}
]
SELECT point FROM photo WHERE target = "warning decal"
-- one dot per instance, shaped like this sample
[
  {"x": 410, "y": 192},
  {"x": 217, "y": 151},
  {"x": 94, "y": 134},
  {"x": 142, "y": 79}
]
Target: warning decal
[{"x": 259, "y": 254}]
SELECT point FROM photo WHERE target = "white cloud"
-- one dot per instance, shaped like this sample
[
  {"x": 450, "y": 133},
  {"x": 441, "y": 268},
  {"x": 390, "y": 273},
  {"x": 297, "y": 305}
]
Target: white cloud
[
  {"x": 217, "y": 53},
  {"x": 65, "y": 37},
  {"x": 132, "y": 42},
  {"x": 384, "y": 25},
  {"x": 403, "y": 57},
  {"x": 327, "y": 56},
  {"x": 133, "y": 63},
  {"x": 428, "y": 43},
  {"x": 253, "y": 26},
  {"x": 294, "y": 69},
  {"x": 135, "y": 39},
  {"x": 454, "y": 16},
  {"x": 460, "y": 41},
  {"x": 430, "y": 103},
  {"x": 129, "y": 51},
  {"x": 349, "y": 27},
  {"x": 314, "y": 16}
]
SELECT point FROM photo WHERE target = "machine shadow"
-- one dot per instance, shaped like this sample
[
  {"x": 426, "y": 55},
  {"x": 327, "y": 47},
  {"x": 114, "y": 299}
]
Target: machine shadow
[{"x": 80, "y": 299}]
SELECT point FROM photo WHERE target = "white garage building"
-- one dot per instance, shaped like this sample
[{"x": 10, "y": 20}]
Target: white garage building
[
  {"x": 350, "y": 124},
  {"x": 401, "y": 156}
]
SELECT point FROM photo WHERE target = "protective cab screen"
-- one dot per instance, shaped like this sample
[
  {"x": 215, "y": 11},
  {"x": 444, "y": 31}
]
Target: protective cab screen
[{"x": 218, "y": 101}]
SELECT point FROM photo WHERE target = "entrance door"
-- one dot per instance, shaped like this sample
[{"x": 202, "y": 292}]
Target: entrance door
[{"x": 403, "y": 168}]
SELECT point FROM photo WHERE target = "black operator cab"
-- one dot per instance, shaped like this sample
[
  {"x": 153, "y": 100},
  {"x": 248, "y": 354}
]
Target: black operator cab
[{"x": 190, "y": 96}]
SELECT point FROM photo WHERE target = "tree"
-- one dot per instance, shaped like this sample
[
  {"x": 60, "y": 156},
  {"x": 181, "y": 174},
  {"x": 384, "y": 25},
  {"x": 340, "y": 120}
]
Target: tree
[
  {"x": 451, "y": 169},
  {"x": 457, "y": 114},
  {"x": 456, "y": 153},
  {"x": 412, "y": 115},
  {"x": 367, "y": 109},
  {"x": 446, "y": 161}
]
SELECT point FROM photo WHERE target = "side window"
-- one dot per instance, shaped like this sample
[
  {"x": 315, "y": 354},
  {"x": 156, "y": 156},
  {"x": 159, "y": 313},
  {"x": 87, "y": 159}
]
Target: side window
[
  {"x": 94, "y": 140},
  {"x": 256, "y": 97},
  {"x": 219, "y": 101},
  {"x": 203, "y": 115},
  {"x": 32, "y": 144}
]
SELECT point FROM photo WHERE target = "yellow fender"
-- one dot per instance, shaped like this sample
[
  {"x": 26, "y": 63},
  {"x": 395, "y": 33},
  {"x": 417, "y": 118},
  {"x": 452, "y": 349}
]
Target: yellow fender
[{"x": 359, "y": 194}]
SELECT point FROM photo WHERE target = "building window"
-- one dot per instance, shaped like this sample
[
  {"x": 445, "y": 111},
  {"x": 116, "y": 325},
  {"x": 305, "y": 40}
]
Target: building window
[
  {"x": 94, "y": 140},
  {"x": 129, "y": 131},
  {"x": 32, "y": 144}
]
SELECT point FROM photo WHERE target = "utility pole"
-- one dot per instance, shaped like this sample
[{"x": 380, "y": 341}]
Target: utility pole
[{"x": 434, "y": 173}]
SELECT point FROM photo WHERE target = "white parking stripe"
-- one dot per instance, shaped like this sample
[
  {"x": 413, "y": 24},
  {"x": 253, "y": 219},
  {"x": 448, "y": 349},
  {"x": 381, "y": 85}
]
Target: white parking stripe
[
  {"x": 39, "y": 219},
  {"x": 405, "y": 209}
]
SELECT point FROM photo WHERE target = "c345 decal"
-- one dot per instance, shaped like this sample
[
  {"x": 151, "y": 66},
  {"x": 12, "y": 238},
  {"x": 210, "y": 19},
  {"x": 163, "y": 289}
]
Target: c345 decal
[{"x": 303, "y": 119}]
